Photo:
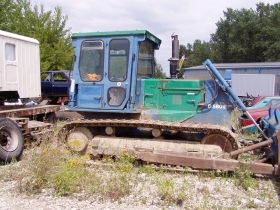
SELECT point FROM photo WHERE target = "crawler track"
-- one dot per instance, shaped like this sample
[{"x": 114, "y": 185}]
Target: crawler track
[
  {"x": 153, "y": 154},
  {"x": 173, "y": 126}
]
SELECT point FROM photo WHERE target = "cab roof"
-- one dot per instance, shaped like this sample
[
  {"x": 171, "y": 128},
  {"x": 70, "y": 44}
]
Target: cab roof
[{"x": 149, "y": 35}]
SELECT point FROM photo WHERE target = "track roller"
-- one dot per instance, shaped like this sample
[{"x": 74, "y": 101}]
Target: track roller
[
  {"x": 111, "y": 131},
  {"x": 156, "y": 132},
  {"x": 79, "y": 138}
]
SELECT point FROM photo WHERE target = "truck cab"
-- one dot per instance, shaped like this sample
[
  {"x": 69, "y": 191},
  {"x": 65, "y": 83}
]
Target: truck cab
[{"x": 108, "y": 69}]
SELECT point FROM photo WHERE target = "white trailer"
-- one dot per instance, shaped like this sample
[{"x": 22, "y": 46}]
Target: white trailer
[
  {"x": 19, "y": 67},
  {"x": 256, "y": 84},
  {"x": 20, "y": 78}
]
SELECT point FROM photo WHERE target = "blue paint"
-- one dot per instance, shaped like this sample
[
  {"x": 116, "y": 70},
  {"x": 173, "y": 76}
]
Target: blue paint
[
  {"x": 272, "y": 126},
  {"x": 218, "y": 112},
  {"x": 224, "y": 85}
]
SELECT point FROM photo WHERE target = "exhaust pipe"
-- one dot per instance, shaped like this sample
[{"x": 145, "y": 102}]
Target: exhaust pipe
[{"x": 175, "y": 57}]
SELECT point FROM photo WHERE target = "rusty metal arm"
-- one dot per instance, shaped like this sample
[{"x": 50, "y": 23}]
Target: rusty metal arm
[{"x": 206, "y": 163}]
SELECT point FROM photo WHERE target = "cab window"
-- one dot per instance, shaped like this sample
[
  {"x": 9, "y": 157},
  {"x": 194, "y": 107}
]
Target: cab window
[
  {"x": 118, "y": 59},
  {"x": 145, "y": 60},
  {"x": 145, "y": 67},
  {"x": 91, "y": 64}
]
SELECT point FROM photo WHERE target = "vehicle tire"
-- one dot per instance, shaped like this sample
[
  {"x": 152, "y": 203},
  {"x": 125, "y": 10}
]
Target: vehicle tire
[{"x": 11, "y": 138}]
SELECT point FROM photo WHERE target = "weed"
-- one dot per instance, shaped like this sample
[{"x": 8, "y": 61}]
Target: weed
[
  {"x": 58, "y": 126},
  {"x": 166, "y": 189},
  {"x": 117, "y": 187},
  {"x": 11, "y": 170},
  {"x": 126, "y": 162},
  {"x": 244, "y": 177},
  {"x": 206, "y": 195},
  {"x": 69, "y": 175},
  {"x": 181, "y": 197},
  {"x": 217, "y": 207},
  {"x": 251, "y": 205},
  {"x": 144, "y": 200},
  {"x": 146, "y": 169},
  {"x": 40, "y": 167},
  {"x": 264, "y": 192}
]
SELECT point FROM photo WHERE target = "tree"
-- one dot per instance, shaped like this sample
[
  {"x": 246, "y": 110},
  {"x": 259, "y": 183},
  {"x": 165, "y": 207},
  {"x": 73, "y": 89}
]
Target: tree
[
  {"x": 5, "y": 6},
  {"x": 47, "y": 27},
  {"x": 248, "y": 36},
  {"x": 159, "y": 74},
  {"x": 196, "y": 53},
  {"x": 268, "y": 38}
]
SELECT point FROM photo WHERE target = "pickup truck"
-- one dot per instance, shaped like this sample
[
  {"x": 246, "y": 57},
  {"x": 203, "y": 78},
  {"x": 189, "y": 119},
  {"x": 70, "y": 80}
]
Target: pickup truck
[{"x": 55, "y": 85}]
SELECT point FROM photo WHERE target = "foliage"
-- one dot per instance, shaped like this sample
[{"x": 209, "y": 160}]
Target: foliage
[
  {"x": 244, "y": 177},
  {"x": 248, "y": 36},
  {"x": 69, "y": 176},
  {"x": 166, "y": 189},
  {"x": 244, "y": 35},
  {"x": 5, "y": 5},
  {"x": 196, "y": 53},
  {"x": 159, "y": 74},
  {"x": 39, "y": 170},
  {"x": 48, "y": 27},
  {"x": 126, "y": 162}
]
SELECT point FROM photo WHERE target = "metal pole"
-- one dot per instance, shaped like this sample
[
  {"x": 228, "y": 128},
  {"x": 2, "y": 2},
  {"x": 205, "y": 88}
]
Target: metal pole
[{"x": 252, "y": 147}]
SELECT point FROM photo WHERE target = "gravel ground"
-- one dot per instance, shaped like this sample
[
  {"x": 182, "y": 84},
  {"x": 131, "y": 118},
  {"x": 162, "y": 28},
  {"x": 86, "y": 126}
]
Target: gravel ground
[{"x": 192, "y": 191}]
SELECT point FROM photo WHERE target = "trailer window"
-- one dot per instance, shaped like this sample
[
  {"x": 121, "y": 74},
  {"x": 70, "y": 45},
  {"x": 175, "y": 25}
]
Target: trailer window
[
  {"x": 10, "y": 52},
  {"x": 91, "y": 64},
  {"x": 118, "y": 60}
]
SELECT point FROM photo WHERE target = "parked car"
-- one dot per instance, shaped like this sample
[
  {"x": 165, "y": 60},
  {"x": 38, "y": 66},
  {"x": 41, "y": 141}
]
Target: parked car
[
  {"x": 262, "y": 101},
  {"x": 258, "y": 113},
  {"x": 55, "y": 86}
]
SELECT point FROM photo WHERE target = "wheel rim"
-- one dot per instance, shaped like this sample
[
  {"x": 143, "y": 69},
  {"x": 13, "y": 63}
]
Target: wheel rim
[
  {"x": 219, "y": 140},
  {"x": 8, "y": 139}
]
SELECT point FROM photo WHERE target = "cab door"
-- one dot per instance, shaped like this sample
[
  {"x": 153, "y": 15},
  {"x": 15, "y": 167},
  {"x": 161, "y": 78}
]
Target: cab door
[
  {"x": 118, "y": 73},
  {"x": 91, "y": 74}
]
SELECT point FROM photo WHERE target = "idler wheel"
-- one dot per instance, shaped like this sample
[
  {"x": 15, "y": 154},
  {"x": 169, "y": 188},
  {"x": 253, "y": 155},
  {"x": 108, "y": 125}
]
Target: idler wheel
[
  {"x": 79, "y": 138},
  {"x": 219, "y": 140}
]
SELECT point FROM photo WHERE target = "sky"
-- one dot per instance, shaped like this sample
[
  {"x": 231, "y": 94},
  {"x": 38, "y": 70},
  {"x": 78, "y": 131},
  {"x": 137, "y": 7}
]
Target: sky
[{"x": 189, "y": 19}]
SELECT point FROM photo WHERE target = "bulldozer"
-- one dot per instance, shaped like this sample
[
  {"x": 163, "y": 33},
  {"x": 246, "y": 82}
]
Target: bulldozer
[{"x": 176, "y": 121}]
